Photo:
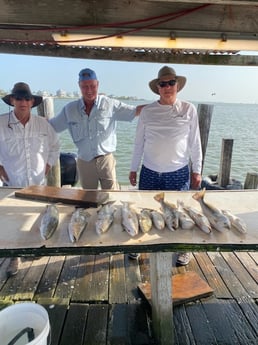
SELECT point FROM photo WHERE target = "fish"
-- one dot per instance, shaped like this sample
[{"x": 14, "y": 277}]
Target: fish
[
  {"x": 216, "y": 217},
  {"x": 105, "y": 217},
  {"x": 200, "y": 219},
  {"x": 78, "y": 222},
  {"x": 185, "y": 221},
  {"x": 236, "y": 222},
  {"x": 130, "y": 220},
  {"x": 145, "y": 220},
  {"x": 158, "y": 219},
  {"x": 49, "y": 221},
  {"x": 170, "y": 212}
]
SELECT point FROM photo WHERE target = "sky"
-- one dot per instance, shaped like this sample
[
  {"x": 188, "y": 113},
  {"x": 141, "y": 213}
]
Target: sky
[{"x": 231, "y": 84}]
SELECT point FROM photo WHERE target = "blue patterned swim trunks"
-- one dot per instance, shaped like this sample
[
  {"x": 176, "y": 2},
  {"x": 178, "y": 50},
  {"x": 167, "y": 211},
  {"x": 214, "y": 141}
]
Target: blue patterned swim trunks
[{"x": 176, "y": 180}]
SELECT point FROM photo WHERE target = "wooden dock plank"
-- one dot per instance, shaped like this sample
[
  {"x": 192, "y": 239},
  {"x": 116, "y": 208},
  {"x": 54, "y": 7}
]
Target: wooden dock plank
[
  {"x": 75, "y": 324},
  {"x": 65, "y": 284},
  {"x": 228, "y": 322},
  {"x": 97, "y": 322},
  {"x": 12, "y": 286},
  {"x": 83, "y": 284},
  {"x": 212, "y": 320},
  {"x": 100, "y": 279},
  {"x": 212, "y": 276},
  {"x": 132, "y": 279},
  {"x": 31, "y": 280},
  {"x": 49, "y": 279},
  {"x": 249, "y": 264},
  {"x": 182, "y": 327},
  {"x": 228, "y": 276},
  {"x": 242, "y": 274},
  {"x": 117, "y": 286},
  {"x": 57, "y": 310}
]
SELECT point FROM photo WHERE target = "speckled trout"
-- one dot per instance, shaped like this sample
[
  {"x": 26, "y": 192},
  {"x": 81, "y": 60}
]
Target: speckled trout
[
  {"x": 105, "y": 217},
  {"x": 49, "y": 221},
  {"x": 216, "y": 217},
  {"x": 170, "y": 212},
  {"x": 78, "y": 222}
]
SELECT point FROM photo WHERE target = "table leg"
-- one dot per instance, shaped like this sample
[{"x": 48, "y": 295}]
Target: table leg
[{"x": 161, "y": 297}]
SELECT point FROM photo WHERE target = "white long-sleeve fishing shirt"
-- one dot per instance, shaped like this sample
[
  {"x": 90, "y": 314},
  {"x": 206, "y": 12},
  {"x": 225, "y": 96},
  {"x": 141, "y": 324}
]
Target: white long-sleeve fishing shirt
[
  {"x": 168, "y": 138},
  {"x": 25, "y": 150}
]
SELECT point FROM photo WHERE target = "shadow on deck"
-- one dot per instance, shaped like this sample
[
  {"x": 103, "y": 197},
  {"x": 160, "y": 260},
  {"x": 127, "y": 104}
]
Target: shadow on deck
[{"x": 94, "y": 299}]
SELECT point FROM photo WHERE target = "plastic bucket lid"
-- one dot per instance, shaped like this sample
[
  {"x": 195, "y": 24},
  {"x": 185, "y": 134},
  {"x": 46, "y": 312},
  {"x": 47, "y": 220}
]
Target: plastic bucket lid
[{"x": 24, "y": 323}]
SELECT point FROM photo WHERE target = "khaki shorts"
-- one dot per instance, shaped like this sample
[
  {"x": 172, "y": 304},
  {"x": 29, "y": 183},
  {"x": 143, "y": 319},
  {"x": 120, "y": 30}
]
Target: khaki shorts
[{"x": 101, "y": 169}]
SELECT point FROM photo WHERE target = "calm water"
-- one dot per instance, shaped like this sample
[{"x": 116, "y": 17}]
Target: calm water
[{"x": 229, "y": 121}]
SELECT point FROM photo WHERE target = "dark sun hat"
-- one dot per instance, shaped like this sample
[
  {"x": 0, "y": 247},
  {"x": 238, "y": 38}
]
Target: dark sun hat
[
  {"x": 169, "y": 73},
  {"x": 22, "y": 90}
]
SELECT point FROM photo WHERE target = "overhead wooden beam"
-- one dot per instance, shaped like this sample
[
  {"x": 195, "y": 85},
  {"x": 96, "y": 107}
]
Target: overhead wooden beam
[
  {"x": 137, "y": 55},
  {"x": 213, "y": 2}
]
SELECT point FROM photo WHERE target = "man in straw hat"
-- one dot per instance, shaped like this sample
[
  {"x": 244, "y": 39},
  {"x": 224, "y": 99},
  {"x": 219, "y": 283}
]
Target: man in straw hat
[
  {"x": 168, "y": 138},
  {"x": 29, "y": 145}
]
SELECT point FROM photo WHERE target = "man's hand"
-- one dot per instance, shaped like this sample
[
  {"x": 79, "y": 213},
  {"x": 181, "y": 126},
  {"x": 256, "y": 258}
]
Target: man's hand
[
  {"x": 196, "y": 180},
  {"x": 48, "y": 167},
  {"x": 3, "y": 174},
  {"x": 133, "y": 178},
  {"x": 139, "y": 109}
]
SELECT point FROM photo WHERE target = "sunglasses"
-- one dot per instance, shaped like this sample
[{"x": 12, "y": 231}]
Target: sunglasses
[
  {"x": 20, "y": 98},
  {"x": 171, "y": 82}
]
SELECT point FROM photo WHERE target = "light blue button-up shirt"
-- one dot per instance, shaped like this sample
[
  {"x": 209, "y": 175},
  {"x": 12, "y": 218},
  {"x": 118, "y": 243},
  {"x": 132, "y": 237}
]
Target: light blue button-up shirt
[{"x": 93, "y": 134}]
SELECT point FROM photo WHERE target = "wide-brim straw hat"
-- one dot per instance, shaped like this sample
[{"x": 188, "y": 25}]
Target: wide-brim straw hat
[
  {"x": 167, "y": 72},
  {"x": 22, "y": 90}
]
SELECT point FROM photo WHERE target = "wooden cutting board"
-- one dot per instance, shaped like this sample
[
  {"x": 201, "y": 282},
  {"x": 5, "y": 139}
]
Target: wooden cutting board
[
  {"x": 186, "y": 287},
  {"x": 80, "y": 197}
]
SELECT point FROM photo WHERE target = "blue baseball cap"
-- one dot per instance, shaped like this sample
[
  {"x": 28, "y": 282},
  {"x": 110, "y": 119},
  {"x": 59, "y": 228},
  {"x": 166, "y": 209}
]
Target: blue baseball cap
[{"x": 87, "y": 74}]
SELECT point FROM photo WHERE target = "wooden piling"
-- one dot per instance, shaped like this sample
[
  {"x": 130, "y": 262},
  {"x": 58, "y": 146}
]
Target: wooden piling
[
  {"x": 204, "y": 114},
  {"x": 251, "y": 181},
  {"x": 225, "y": 162},
  {"x": 46, "y": 109}
]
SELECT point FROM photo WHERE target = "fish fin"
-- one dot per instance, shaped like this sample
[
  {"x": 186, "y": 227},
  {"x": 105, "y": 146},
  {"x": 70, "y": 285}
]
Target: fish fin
[
  {"x": 159, "y": 197},
  {"x": 199, "y": 195}
]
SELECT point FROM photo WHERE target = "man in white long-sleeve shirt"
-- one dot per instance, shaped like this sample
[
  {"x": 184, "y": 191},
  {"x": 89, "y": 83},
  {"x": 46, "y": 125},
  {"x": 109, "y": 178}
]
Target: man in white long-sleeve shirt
[
  {"x": 29, "y": 145},
  {"x": 167, "y": 141}
]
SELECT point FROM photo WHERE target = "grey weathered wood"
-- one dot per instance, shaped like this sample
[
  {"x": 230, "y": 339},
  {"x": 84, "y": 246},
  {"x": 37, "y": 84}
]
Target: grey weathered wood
[
  {"x": 161, "y": 289},
  {"x": 225, "y": 162},
  {"x": 251, "y": 181},
  {"x": 219, "y": 2},
  {"x": 46, "y": 109},
  {"x": 205, "y": 115}
]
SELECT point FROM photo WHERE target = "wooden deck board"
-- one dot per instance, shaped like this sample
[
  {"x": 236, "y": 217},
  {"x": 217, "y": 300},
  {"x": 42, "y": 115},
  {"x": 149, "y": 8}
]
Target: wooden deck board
[
  {"x": 93, "y": 299},
  {"x": 75, "y": 323}
]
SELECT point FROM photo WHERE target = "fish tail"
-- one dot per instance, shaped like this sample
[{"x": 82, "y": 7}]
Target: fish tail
[
  {"x": 199, "y": 195},
  {"x": 180, "y": 203},
  {"x": 159, "y": 197}
]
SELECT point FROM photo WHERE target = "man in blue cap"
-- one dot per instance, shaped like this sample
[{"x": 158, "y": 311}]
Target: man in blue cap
[{"x": 92, "y": 121}]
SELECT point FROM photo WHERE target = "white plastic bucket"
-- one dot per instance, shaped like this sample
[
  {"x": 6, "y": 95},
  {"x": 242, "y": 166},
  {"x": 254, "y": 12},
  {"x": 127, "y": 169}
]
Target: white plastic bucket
[{"x": 18, "y": 317}]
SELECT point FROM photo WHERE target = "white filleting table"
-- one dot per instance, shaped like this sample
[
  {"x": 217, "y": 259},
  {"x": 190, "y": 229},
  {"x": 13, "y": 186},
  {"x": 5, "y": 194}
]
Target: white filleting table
[{"x": 20, "y": 235}]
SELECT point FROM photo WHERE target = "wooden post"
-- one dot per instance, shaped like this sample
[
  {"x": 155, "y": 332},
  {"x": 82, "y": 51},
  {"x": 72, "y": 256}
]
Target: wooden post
[
  {"x": 205, "y": 114},
  {"x": 251, "y": 181},
  {"x": 225, "y": 162},
  {"x": 46, "y": 109},
  {"x": 161, "y": 297}
]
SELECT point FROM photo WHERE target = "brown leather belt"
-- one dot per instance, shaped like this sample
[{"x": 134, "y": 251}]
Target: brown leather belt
[{"x": 101, "y": 156}]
